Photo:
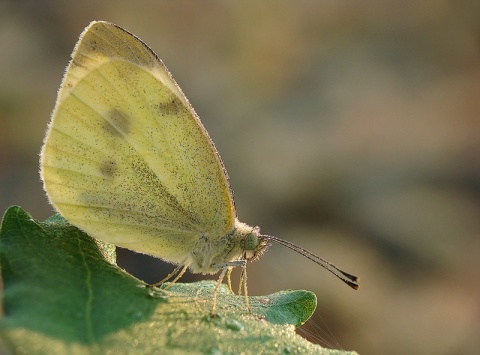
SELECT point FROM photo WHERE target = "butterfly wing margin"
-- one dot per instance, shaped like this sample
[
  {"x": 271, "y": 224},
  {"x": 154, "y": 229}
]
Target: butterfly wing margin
[{"x": 125, "y": 147}]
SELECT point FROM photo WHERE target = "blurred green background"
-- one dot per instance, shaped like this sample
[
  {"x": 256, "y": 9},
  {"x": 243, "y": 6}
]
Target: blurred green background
[{"x": 350, "y": 128}]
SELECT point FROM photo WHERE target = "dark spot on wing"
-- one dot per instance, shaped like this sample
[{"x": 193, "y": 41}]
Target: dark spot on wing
[
  {"x": 108, "y": 168},
  {"x": 170, "y": 107},
  {"x": 117, "y": 123}
]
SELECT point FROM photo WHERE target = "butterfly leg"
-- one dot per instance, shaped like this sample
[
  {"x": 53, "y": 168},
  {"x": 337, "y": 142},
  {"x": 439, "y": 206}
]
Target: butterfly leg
[
  {"x": 244, "y": 278},
  {"x": 215, "y": 291},
  {"x": 180, "y": 274},
  {"x": 227, "y": 267},
  {"x": 243, "y": 282},
  {"x": 229, "y": 280},
  {"x": 180, "y": 269},
  {"x": 240, "y": 283}
]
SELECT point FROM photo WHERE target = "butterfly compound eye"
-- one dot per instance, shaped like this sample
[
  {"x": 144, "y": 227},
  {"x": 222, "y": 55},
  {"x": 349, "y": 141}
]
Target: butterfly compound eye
[
  {"x": 250, "y": 243},
  {"x": 254, "y": 245}
]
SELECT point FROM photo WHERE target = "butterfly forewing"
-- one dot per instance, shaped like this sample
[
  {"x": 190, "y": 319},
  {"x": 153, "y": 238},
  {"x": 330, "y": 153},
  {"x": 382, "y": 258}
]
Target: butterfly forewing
[{"x": 126, "y": 158}]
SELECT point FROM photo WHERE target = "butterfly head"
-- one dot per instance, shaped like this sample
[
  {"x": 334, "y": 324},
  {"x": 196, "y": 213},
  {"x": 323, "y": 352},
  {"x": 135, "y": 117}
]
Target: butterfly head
[{"x": 254, "y": 245}]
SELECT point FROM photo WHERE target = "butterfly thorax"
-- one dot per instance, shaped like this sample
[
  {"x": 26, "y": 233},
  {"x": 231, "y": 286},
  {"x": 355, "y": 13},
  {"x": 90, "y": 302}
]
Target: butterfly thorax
[{"x": 243, "y": 242}]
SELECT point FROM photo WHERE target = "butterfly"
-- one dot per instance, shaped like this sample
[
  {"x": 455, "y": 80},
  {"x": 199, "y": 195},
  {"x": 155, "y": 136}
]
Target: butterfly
[{"x": 127, "y": 160}]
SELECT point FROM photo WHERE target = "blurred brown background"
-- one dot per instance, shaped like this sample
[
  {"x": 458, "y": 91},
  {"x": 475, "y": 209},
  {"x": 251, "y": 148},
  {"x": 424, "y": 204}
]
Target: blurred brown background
[{"x": 352, "y": 129}]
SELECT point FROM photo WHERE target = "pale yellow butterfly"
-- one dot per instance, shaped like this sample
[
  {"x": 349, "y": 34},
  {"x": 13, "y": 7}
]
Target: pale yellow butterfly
[{"x": 127, "y": 160}]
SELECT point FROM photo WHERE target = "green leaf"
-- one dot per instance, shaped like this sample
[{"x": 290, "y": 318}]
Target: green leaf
[{"x": 63, "y": 293}]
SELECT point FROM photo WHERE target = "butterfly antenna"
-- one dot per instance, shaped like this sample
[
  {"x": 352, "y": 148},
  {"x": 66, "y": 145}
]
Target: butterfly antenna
[{"x": 349, "y": 279}]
